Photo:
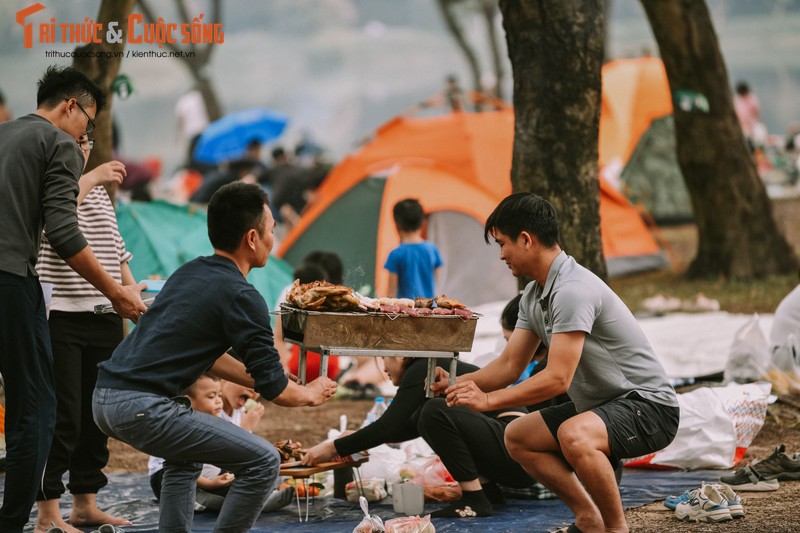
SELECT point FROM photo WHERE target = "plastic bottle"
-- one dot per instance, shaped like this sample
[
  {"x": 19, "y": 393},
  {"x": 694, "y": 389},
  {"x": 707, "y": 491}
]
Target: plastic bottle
[{"x": 378, "y": 408}]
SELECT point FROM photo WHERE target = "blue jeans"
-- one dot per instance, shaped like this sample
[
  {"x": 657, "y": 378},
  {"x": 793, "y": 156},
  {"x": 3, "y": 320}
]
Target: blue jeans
[{"x": 186, "y": 439}]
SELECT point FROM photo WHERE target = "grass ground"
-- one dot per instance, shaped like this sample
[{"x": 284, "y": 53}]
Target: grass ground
[{"x": 752, "y": 296}]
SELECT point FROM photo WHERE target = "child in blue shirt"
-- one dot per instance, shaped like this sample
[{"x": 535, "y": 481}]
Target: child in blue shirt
[{"x": 414, "y": 265}]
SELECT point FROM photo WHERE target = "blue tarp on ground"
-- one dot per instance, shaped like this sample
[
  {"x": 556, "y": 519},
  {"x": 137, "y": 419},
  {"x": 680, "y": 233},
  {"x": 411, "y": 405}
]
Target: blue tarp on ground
[{"x": 129, "y": 495}]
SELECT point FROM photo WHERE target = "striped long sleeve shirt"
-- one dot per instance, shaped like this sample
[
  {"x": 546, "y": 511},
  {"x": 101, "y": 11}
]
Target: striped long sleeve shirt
[{"x": 98, "y": 222}]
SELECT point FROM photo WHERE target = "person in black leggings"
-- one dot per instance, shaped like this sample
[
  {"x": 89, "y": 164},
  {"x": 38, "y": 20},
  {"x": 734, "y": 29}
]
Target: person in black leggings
[
  {"x": 469, "y": 443},
  {"x": 398, "y": 423}
]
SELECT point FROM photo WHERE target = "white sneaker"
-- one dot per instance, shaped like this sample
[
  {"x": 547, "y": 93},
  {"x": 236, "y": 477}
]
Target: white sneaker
[
  {"x": 700, "y": 304},
  {"x": 660, "y": 304},
  {"x": 706, "y": 504},
  {"x": 733, "y": 500}
]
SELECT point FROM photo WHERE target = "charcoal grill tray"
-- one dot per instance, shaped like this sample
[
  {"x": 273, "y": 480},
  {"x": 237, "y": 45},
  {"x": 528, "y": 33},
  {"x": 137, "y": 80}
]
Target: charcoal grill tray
[{"x": 378, "y": 331}]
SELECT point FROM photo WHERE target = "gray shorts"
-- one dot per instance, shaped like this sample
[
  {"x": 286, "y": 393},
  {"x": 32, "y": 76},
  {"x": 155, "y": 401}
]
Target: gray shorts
[{"x": 635, "y": 426}]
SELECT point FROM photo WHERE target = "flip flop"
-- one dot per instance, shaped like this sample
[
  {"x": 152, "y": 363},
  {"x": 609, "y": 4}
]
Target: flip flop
[{"x": 108, "y": 528}]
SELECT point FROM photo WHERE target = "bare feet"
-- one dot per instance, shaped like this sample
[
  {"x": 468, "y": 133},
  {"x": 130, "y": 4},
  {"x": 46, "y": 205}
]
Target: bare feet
[
  {"x": 95, "y": 517},
  {"x": 48, "y": 515},
  {"x": 43, "y": 524},
  {"x": 86, "y": 513}
]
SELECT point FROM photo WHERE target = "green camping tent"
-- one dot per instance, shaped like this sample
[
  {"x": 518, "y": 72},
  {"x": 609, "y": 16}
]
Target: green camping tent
[
  {"x": 163, "y": 236},
  {"x": 653, "y": 176}
]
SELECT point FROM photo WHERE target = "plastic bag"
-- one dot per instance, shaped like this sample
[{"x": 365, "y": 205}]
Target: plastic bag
[
  {"x": 438, "y": 483},
  {"x": 448, "y": 492},
  {"x": 409, "y": 472},
  {"x": 370, "y": 523},
  {"x": 435, "y": 473},
  {"x": 374, "y": 490},
  {"x": 706, "y": 435},
  {"x": 384, "y": 462},
  {"x": 410, "y": 524},
  {"x": 784, "y": 373},
  {"x": 717, "y": 426},
  {"x": 749, "y": 357}
]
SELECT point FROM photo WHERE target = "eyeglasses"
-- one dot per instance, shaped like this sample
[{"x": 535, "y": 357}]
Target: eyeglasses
[
  {"x": 86, "y": 145},
  {"x": 90, "y": 125}
]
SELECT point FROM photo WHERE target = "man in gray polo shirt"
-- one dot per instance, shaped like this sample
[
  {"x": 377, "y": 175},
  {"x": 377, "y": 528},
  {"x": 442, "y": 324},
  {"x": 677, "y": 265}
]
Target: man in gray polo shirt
[
  {"x": 40, "y": 163},
  {"x": 622, "y": 403}
]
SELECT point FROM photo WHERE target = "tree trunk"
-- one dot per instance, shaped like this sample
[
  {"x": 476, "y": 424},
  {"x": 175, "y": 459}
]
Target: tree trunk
[
  {"x": 194, "y": 57},
  {"x": 489, "y": 13},
  {"x": 607, "y": 9},
  {"x": 445, "y": 7},
  {"x": 738, "y": 237},
  {"x": 102, "y": 68},
  {"x": 556, "y": 51}
]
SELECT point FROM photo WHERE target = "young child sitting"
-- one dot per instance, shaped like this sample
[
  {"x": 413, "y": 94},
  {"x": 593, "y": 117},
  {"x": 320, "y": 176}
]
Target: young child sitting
[
  {"x": 205, "y": 395},
  {"x": 414, "y": 265},
  {"x": 240, "y": 405}
]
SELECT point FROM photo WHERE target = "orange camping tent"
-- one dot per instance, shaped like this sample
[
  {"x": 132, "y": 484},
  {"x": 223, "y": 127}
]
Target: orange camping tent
[{"x": 635, "y": 92}]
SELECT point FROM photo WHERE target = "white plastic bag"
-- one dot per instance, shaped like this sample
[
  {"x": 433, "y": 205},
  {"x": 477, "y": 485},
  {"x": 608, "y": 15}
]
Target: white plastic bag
[
  {"x": 369, "y": 524},
  {"x": 373, "y": 489},
  {"x": 717, "y": 425},
  {"x": 706, "y": 434},
  {"x": 410, "y": 524},
  {"x": 384, "y": 462},
  {"x": 784, "y": 373},
  {"x": 749, "y": 357}
]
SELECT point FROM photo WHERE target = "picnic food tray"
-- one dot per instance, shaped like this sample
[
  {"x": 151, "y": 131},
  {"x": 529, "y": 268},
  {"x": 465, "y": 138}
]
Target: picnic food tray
[
  {"x": 379, "y": 331},
  {"x": 308, "y": 471}
]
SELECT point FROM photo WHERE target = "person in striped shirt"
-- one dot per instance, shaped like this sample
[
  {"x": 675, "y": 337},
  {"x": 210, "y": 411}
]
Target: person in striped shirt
[{"x": 80, "y": 340}]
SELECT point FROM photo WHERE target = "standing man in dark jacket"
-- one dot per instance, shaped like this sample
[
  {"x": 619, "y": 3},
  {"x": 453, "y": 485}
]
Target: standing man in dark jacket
[{"x": 40, "y": 163}]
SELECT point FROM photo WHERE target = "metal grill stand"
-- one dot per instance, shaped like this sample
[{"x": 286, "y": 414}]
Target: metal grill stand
[{"x": 327, "y": 351}]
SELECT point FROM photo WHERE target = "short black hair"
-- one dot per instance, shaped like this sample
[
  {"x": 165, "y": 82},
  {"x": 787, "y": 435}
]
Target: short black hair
[
  {"x": 742, "y": 88},
  {"x": 508, "y": 318},
  {"x": 191, "y": 389},
  {"x": 233, "y": 210},
  {"x": 408, "y": 214},
  {"x": 330, "y": 263},
  {"x": 309, "y": 272},
  {"x": 524, "y": 211},
  {"x": 62, "y": 83}
]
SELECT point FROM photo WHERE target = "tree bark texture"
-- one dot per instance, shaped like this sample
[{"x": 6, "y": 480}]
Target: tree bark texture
[
  {"x": 556, "y": 51},
  {"x": 102, "y": 68},
  {"x": 490, "y": 11},
  {"x": 738, "y": 236}
]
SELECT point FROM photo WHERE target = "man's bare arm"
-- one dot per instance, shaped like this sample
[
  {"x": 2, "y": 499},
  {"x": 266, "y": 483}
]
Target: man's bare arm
[{"x": 229, "y": 368}]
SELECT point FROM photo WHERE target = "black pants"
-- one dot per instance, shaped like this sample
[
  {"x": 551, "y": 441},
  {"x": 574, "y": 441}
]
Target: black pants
[
  {"x": 26, "y": 364},
  {"x": 470, "y": 444},
  {"x": 80, "y": 342}
]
